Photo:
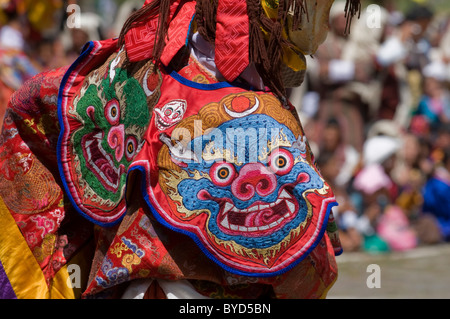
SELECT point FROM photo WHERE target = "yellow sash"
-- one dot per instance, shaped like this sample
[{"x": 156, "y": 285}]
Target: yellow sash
[{"x": 21, "y": 267}]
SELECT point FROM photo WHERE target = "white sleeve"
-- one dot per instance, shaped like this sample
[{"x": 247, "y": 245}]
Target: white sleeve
[
  {"x": 179, "y": 289},
  {"x": 137, "y": 289},
  {"x": 391, "y": 51},
  {"x": 341, "y": 70}
]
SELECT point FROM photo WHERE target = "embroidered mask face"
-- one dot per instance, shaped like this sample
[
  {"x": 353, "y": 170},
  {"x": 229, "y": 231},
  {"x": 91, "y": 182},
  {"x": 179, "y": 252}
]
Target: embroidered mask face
[
  {"x": 112, "y": 116},
  {"x": 250, "y": 181},
  {"x": 244, "y": 183},
  {"x": 170, "y": 114}
]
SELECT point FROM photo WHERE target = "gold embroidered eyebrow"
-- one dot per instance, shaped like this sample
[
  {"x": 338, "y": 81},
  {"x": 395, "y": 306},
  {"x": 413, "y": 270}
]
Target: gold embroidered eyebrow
[{"x": 279, "y": 140}]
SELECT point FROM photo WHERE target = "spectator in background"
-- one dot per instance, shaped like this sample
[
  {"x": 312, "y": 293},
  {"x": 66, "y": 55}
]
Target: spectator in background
[
  {"x": 331, "y": 76},
  {"x": 436, "y": 196},
  {"x": 395, "y": 78},
  {"x": 74, "y": 39},
  {"x": 382, "y": 150},
  {"x": 15, "y": 65},
  {"x": 125, "y": 10},
  {"x": 12, "y": 34},
  {"x": 50, "y": 54},
  {"x": 406, "y": 53},
  {"x": 410, "y": 174},
  {"x": 364, "y": 41},
  {"x": 434, "y": 104},
  {"x": 344, "y": 214},
  {"x": 371, "y": 189},
  {"x": 387, "y": 226},
  {"x": 345, "y": 156}
]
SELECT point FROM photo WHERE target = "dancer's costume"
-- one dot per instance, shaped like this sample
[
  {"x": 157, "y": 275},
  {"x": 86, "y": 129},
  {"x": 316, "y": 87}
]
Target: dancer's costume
[{"x": 129, "y": 176}]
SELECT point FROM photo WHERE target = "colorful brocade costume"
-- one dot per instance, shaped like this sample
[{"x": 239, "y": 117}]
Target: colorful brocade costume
[{"x": 135, "y": 175}]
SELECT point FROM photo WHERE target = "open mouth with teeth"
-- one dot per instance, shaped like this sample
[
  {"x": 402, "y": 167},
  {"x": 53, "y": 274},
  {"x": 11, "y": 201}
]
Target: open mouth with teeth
[
  {"x": 160, "y": 125},
  {"x": 100, "y": 163},
  {"x": 260, "y": 219}
]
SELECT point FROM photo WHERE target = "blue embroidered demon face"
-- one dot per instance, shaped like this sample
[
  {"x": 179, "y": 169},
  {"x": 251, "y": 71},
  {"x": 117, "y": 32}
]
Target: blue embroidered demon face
[{"x": 250, "y": 176}]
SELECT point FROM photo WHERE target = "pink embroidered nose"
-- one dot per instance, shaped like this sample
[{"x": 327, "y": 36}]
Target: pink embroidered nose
[
  {"x": 252, "y": 178},
  {"x": 116, "y": 137}
]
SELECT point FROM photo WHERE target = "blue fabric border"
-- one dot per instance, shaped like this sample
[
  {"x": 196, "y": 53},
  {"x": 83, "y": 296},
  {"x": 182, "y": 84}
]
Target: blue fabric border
[
  {"x": 194, "y": 237},
  {"x": 186, "y": 44},
  {"x": 87, "y": 49},
  {"x": 195, "y": 85},
  {"x": 208, "y": 87}
]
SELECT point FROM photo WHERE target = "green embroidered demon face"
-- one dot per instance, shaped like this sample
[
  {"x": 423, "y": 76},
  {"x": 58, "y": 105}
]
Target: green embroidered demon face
[{"x": 113, "y": 116}]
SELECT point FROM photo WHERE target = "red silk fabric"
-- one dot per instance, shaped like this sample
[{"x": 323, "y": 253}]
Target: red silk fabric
[{"x": 232, "y": 38}]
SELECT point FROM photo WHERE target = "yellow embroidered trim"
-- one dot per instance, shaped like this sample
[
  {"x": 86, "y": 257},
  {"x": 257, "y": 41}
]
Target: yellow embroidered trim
[{"x": 21, "y": 267}]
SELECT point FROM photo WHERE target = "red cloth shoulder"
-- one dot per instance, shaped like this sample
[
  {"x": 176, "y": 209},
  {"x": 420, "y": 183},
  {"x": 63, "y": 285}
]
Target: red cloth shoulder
[{"x": 30, "y": 185}]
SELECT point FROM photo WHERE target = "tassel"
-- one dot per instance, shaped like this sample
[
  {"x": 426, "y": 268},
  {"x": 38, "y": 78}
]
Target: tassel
[
  {"x": 299, "y": 8},
  {"x": 267, "y": 54},
  {"x": 275, "y": 48},
  {"x": 257, "y": 50},
  {"x": 352, "y": 7},
  {"x": 163, "y": 27},
  {"x": 275, "y": 54}
]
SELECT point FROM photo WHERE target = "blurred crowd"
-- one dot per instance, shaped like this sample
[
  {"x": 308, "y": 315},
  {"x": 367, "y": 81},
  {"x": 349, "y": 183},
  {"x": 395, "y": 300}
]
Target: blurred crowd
[
  {"x": 41, "y": 35},
  {"x": 376, "y": 110},
  {"x": 375, "y": 106}
]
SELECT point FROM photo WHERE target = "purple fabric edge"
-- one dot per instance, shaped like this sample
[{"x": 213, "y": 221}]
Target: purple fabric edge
[{"x": 6, "y": 290}]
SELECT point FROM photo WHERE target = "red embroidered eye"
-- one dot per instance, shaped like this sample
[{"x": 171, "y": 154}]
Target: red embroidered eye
[
  {"x": 112, "y": 112},
  {"x": 281, "y": 161},
  {"x": 130, "y": 148},
  {"x": 168, "y": 112},
  {"x": 222, "y": 173}
]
